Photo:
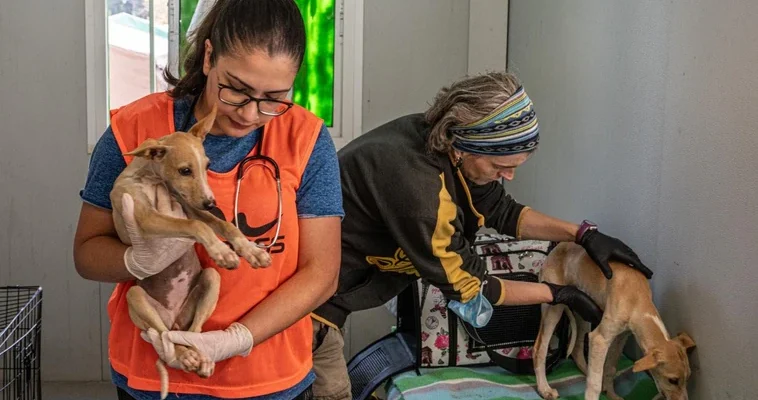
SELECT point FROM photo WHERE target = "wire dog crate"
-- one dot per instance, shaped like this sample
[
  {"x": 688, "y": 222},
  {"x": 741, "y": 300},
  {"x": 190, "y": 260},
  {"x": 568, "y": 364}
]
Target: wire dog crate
[{"x": 20, "y": 331}]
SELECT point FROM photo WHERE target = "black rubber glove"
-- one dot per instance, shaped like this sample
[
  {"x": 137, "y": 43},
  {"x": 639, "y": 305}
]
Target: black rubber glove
[
  {"x": 603, "y": 248},
  {"x": 577, "y": 301}
]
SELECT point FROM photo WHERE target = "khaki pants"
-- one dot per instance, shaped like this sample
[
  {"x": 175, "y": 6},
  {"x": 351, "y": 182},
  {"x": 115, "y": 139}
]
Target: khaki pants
[{"x": 332, "y": 381}]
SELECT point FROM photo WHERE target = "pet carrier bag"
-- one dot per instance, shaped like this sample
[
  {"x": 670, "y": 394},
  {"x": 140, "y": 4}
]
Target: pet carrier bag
[
  {"x": 444, "y": 339},
  {"x": 429, "y": 335}
]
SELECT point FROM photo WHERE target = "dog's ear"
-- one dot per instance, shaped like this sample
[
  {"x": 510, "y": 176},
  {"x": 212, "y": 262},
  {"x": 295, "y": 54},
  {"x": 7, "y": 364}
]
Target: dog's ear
[
  {"x": 685, "y": 340},
  {"x": 201, "y": 128},
  {"x": 150, "y": 149},
  {"x": 650, "y": 360}
]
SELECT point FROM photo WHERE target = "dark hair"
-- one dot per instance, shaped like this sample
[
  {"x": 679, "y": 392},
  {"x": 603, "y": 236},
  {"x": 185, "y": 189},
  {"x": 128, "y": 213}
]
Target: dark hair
[{"x": 232, "y": 26}]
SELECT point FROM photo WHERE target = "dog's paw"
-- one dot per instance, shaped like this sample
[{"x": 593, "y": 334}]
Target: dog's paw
[
  {"x": 189, "y": 359},
  {"x": 256, "y": 256},
  {"x": 206, "y": 369},
  {"x": 548, "y": 394},
  {"x": 192, "y": 360},
  {"x": 223, "y": 256}
]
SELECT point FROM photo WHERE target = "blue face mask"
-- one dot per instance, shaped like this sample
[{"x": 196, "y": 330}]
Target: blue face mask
[{"x": 476, "y": 311}]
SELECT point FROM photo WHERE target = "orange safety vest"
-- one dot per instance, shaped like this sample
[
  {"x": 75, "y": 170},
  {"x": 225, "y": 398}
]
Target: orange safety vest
[{"x": 283, "y": 360}]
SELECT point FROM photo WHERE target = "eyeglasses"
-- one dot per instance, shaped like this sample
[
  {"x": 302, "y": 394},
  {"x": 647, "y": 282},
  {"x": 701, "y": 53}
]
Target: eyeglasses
[{"x": 233, "y": 97}]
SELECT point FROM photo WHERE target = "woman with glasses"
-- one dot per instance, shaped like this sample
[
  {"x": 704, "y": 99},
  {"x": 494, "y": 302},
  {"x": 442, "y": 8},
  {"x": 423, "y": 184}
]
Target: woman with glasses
[{"x": 274, "y": 173}]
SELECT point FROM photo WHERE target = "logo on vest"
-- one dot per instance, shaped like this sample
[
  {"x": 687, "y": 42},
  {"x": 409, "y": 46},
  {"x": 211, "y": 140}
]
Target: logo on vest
[{"x": 255, "y": 231}]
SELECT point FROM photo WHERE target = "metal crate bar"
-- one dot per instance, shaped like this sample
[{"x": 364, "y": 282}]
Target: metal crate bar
[{"x": 20, "y": 334}]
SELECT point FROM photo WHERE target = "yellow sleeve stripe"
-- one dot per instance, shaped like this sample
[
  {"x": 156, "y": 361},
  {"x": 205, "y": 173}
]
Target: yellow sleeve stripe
[
  {"x": 518, "y": 224},
  {"x": 463, "y": 282},
  {"x": 501, "y": 299}
]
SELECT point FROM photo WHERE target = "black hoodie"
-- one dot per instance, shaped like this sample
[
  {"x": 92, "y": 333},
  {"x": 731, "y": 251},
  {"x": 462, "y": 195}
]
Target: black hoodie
[{"x": 410, "y": 213}]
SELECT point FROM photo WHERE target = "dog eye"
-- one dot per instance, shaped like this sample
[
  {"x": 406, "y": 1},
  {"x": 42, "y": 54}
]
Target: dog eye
[
  {"x": 185, "y": 171},
  {"x": 674, "y": 381}
]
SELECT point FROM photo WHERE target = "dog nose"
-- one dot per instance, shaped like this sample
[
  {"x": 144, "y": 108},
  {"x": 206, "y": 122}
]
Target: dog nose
[{"x": 209, "y": 204}]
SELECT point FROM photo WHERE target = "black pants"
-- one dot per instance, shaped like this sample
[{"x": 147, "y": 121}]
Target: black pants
[{"x": 306, "y": 395}]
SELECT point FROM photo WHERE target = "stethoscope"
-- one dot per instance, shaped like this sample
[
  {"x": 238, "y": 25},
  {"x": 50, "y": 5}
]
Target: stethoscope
[{"x": 241, "y": 168}]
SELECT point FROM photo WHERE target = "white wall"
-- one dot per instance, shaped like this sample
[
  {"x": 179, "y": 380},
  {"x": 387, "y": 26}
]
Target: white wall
[
  {"x": 43, "y": 161},
  {"x": 648, "y": 122},
  {"x": 410, "y": 50},
  {"x": 487, "y": 35}
]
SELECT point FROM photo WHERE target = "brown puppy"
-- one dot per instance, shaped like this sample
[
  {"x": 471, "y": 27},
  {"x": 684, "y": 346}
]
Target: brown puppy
[
  {"x": 182, "y": 296},
  {"x": 627, "y": 304}
]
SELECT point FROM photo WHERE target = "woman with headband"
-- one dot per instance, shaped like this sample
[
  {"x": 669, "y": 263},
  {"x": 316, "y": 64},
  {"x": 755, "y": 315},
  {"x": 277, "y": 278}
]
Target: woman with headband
[{"x": 415, "y": 192}]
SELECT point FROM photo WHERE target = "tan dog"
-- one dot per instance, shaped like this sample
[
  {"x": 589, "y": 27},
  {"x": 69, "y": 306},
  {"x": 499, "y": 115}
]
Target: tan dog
[
  {"x": 182, "y": 296},
  {"x": 627, "y": 304}
]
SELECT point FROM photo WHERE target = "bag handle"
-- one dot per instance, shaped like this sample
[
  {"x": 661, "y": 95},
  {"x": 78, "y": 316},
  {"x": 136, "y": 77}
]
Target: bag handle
[{"x": 522, "y": 367}]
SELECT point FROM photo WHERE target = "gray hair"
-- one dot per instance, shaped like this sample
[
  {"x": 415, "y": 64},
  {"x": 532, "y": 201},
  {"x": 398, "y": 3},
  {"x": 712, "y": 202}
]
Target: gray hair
[{"x": 464, "y": 102}]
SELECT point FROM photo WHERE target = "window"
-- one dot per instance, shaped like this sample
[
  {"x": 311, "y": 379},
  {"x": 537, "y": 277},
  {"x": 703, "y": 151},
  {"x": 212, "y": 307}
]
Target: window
[{"x": 131, "y": 42}]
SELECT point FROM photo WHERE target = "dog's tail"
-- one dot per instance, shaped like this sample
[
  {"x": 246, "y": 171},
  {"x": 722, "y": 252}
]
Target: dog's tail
[
  {"x": 164, "y": 378},
  {"x": 572, "y": 330}
]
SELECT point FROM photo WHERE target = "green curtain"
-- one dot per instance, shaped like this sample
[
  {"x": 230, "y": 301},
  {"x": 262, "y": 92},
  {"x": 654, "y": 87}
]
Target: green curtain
[
  {"x": 186, "y": 10},
  {"x": 314, "y": 84}
]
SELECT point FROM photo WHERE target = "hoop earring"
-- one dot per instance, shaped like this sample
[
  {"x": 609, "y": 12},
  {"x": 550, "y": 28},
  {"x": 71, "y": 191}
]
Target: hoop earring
[{"x": 456, "y": 159}]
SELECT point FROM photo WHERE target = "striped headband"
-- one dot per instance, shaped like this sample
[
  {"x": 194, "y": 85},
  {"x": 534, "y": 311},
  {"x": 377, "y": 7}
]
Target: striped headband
[{"x": 510, "y": 129}]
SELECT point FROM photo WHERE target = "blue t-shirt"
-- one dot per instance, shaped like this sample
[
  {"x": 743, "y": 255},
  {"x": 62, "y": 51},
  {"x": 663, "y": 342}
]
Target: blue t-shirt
[{"x": 319, "y": 195}]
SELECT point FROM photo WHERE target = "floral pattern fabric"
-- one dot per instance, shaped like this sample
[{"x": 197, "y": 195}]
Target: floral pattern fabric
[{"x": 525, "y": 256}]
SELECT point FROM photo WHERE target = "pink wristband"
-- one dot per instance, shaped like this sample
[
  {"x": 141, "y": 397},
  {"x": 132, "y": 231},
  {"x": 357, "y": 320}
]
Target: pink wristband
[{"x": 584, "y": 227}]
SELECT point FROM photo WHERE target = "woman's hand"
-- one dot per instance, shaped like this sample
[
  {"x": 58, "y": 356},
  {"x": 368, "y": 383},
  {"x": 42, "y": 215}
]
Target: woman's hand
[
  {"x": 577, "y": 301},
  {"x": 213, "y": 346},
  {"x": 166, "y": 351},
  {"x": 600, "y": 247},
  {"x": 147, "y": 257},
  {"x": 236, "y": 340},
  {"x": 603, "y": 248}
]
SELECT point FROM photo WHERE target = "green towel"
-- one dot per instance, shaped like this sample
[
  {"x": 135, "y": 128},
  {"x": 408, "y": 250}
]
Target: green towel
[{"x": 457, "y": 383}]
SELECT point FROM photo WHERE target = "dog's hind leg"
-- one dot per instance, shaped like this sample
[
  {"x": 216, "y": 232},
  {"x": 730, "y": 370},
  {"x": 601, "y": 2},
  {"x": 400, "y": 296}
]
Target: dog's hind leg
[
  {"x": 205, "y": 296},
  {"x": 611, "y": 363},
  {"x": 551, "y": 315},
  {"x": 583, "y": 328},
  {"x": 142, "y": 312},
  {"x": 145, "y": 316},
  {"x": 199, "y": 306}
]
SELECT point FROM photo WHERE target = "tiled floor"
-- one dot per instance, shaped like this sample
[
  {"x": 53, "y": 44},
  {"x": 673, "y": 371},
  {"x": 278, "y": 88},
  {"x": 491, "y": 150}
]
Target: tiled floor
[{"x": 78, "y": 390}]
